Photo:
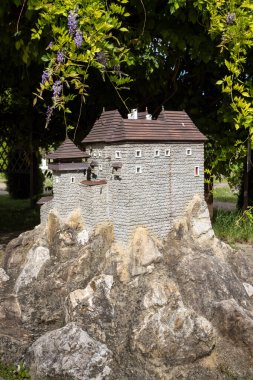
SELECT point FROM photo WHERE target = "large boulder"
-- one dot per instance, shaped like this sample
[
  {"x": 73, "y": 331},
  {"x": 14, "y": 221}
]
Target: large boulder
[
  {"x": 76, "y": 306},
  {"x": 69, "y": 352}
]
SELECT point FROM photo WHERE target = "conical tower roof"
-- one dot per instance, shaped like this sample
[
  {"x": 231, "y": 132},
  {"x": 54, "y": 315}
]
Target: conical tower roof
[{"x": 67, "y": 150}]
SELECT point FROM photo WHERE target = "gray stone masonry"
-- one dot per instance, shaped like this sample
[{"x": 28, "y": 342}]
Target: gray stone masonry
[
  {"x": 66, "y": 194},
  {"x": 152, "y": 198},
  {"x": 152, "y": 188}
]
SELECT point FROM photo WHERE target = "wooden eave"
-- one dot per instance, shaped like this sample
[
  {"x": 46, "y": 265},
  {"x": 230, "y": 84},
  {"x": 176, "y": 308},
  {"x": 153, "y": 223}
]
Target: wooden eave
[{"x": 68, "y": 166}]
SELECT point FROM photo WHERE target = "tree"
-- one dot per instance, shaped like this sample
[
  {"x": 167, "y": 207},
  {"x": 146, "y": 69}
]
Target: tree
[
  {"x": 83, "y": 36},
  {"x": 194, "y": 48},
  {"x": 175, "y": 51}
]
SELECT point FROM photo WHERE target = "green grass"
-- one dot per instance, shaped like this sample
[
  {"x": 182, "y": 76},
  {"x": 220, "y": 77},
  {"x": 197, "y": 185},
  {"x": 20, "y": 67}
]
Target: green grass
[
  {"x": 17, "y": 215},
  {"x": 226, "y": 227},
  {"x": 12, "y": 372},
  {"x": 224, "y": 194}
]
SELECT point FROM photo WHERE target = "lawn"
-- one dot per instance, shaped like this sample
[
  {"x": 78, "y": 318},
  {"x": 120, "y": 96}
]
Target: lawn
[
  {"x": 17, "y": 215},
  {"x": 232, "y": 227},
  {"x": 223, "y": 193},
  {"x": 229, "y": 225}
]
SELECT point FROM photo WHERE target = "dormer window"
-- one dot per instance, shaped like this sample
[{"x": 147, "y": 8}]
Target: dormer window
[
  {"x": 117, "y": 154},
  {"x": 99, "y": 153},
  {"x": 94, "y": 154},
  {"x": 167, "y": 152},
  {"x": 157, "y": 153},
  {"x": 188, "y": 151},
  {"x": 138, "y": 153}
]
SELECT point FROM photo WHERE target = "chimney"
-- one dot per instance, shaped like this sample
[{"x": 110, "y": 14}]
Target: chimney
[
  {"x": 133, "y": 115},
  {"x": 148, "y": 115}
]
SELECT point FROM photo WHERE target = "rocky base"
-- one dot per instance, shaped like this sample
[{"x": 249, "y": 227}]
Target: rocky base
[{"x": 78, "y": 309}]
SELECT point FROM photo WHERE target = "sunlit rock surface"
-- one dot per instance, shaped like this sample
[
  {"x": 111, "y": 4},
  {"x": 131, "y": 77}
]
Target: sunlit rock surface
[{"x": 79, "y": 306}]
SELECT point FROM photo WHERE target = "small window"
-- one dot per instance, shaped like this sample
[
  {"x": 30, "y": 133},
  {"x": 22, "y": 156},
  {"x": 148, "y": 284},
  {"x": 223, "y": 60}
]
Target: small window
[
  {"x": 167, "y": 152},
  {"x": 196, "y": 171},
  {"x": 138, "y": 169},
  {"x": 100, "y": 167},
  {"x": 99, "y": 153},
  {"x": 157, "y": 153},
  {"x": 188, "y": 151},
  {"x": 57, "y": 180},
  {"x": 94, "y": 154},
  {"x": 138, "y": 153},
  {"x": 117, "y": 154},
  {"x": 72, "y": 180}
]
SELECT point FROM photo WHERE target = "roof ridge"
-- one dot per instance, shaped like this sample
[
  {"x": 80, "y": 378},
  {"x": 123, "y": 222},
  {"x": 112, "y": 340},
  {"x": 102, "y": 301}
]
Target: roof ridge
[{"x": 169, "y": 126}]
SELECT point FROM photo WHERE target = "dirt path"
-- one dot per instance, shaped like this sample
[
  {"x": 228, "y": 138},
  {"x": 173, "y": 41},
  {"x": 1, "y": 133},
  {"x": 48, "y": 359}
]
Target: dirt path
[
  {"x": 3, "y": 187},
  {"x": 224, "y": 205}
]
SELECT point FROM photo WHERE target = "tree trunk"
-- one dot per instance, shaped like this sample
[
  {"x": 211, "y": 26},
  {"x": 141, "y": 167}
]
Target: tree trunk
[
  {"x": 246, "y": 177},
  {"x": 208, "y": 191}
]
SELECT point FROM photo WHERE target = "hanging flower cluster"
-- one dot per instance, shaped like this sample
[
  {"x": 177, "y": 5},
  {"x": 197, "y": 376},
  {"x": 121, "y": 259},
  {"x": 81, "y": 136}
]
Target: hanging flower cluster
[
  {"x": 72, "y": 27},
  {"x": 57, "y": 88},
  {"x": 44, "y": 77},
  {"x": 80, "y": 39},
  {"x": 60, "y": 56},
  {"x": 230, "y": 19},
  {"x": 72, "y": 22}
]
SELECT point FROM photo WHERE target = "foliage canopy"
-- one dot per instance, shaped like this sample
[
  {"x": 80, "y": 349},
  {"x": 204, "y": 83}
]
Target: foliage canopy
[{"x": 192, "y": 55}]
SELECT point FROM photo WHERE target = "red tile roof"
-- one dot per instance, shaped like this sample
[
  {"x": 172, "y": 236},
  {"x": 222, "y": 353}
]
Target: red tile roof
[
  {"x": 170, "y": 126},
  {"x": 67, "y": 150}
]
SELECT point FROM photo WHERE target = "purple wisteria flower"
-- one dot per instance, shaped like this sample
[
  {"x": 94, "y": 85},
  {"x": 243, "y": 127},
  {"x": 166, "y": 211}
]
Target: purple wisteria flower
[
  {"x": 230, "y": 20},
  {"x": 101, "y": 58},
  {"x": 60, "y": 56},
  {"x": 78, "y": 38},
  {"x": 57, "y": 88},
  {"x": 72, "y": 22},
  {"x": 49, "y": 114},
  {"x": 44, "y": 77},
  {"x": 49, "y": 45},
  {"x": 116, "y": 69}
]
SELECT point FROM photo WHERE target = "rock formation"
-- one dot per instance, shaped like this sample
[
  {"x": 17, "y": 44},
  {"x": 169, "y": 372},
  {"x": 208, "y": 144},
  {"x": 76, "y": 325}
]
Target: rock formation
[{"x": 81, "y": 307}]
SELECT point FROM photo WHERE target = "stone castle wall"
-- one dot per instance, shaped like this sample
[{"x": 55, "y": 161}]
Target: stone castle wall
[
  {"x": 152, "y": 197},
  {"x": 157, "y": 195},
  {"x": 94, "y": 204},
  {"x": 66, "y": 194}
]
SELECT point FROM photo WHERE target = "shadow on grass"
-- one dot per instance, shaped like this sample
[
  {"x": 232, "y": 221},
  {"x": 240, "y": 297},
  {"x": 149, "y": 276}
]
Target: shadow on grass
[{"x": 16, "y": 215}]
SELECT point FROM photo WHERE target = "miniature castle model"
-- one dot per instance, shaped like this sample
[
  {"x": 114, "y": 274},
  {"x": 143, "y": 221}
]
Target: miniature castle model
[{"x": 132, "y": 172}]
